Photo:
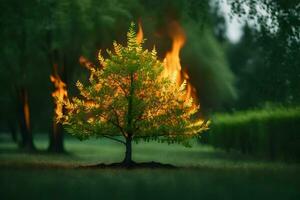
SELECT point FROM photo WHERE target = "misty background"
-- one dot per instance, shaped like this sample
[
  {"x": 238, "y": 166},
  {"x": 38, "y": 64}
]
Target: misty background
[{"x": 237, "y": 57}]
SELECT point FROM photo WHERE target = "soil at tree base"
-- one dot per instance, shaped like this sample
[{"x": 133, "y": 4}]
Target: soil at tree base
[{"x": 131, "y": 165}]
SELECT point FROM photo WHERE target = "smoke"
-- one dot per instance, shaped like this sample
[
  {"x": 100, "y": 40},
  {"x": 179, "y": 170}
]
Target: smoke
[{"x": 206, "y": 64}]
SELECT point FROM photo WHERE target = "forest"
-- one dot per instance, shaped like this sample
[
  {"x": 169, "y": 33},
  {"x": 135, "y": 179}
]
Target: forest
[{"x": 143, "y": 99}]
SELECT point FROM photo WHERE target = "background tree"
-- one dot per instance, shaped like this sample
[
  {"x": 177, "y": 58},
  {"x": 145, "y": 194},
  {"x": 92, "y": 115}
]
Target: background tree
[
  {"x": 60, "y": 19},
  {"x": 129, "y": 96},
  {"x": 265, "y": 60},
  {"x": 38, "y": 34},
  {"x": 16, "y": 58}
]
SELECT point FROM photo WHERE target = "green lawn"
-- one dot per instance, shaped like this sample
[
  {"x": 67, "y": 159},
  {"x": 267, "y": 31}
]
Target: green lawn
[{"x": 205, "y": 174}]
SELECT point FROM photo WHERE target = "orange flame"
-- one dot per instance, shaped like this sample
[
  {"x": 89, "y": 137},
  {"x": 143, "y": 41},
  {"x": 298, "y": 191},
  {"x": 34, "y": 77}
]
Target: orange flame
[
  {"x": 171, "y": 61},
  {"x": 60, "y": 92},
  {"x": 140, "y": 34}
]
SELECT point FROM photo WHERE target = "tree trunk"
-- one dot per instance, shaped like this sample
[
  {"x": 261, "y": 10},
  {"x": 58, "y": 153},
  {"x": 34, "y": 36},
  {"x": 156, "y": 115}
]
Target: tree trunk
[
  {"x": 13, "y": 131},
  {"x": 56, "y": 138},
  {"x": 24, "y": 121},
  {"x": 128, "y": 154}
]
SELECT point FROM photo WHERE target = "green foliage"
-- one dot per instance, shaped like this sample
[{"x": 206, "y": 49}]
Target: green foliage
[
  {"x": 267, "y": 55},
  {"x": 271, "y": 133},
  {"x": 128, "y": 95}
]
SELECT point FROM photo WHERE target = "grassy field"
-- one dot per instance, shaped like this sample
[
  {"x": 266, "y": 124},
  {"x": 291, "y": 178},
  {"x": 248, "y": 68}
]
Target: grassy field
[{"x": 206, "y": 173}]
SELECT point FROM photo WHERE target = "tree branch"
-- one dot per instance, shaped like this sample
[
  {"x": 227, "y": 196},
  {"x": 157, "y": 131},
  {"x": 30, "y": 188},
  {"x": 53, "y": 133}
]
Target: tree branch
[
  {"x": 118, "y": 122},
  {"x": 120, "y": 86},
  {"x": 115, "y": 139}
]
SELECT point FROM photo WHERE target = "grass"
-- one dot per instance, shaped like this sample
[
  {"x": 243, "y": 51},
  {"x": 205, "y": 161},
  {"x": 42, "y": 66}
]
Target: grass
[{"x": 206, "y": 173}]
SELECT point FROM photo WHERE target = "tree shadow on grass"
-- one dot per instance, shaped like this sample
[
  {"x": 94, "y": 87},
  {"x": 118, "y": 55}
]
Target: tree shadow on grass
[{"x": 132, "y": 165}]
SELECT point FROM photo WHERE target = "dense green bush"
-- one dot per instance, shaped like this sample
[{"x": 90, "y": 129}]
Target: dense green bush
[{"x": 269, "y": 133}]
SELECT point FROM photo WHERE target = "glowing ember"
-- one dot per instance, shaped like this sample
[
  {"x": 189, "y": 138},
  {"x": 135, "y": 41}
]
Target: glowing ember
[
  {"x": 85, "y": 62},
  {"x": 26, "y": 111},
  {"x": 60, "y": 92}
]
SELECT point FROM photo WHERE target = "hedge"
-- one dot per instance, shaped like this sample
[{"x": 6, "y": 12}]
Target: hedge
[{"x": 269, "y": 133}]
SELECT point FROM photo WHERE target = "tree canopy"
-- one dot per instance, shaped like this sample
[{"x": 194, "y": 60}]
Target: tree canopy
[{"x": 128, "y": 95}]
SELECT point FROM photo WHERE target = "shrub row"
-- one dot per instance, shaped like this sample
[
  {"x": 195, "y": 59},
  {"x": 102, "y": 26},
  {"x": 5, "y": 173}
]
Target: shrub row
[{"x": 269, "y": 133}]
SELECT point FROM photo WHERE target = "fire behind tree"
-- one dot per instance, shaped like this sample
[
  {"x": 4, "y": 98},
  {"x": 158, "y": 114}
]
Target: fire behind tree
[
  {"x": 171, "y": 62},
  {"x": 59, "y": 94},
  {"x": 133, "y": 96}
]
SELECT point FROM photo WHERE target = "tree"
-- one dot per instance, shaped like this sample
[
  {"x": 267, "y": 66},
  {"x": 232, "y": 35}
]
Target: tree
[
  {"x": 57, "y": 23},
  {"x": 129, "y": 98},
  {"x": 16, "y": 21},
  {"x": 274, "y": 36}
]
